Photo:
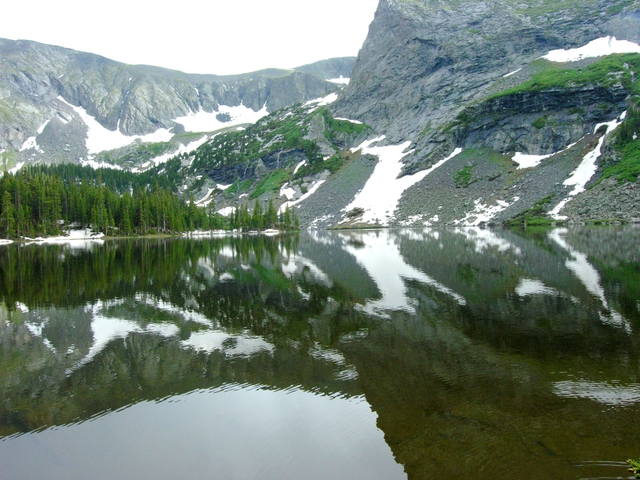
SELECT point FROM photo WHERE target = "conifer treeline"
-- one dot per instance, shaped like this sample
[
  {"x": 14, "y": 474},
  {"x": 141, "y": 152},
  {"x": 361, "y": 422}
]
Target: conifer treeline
[{"x": 33, "y": 203}]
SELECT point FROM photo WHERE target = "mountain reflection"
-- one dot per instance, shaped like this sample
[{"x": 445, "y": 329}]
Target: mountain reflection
[{"x": 476, "y": 348}]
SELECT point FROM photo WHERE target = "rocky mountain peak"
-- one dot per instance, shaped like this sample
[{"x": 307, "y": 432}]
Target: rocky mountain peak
[{"x": 424, "y": 59}]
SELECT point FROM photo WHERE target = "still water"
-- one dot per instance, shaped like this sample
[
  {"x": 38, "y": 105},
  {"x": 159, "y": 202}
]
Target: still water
[{"x": 420, "y": 354}]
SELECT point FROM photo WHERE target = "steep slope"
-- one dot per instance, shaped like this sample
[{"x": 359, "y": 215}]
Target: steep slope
[
  {"x": 47, "y": 94},
  {"x": 469, "y": 75},
  {"x": 424, "y": 59}
]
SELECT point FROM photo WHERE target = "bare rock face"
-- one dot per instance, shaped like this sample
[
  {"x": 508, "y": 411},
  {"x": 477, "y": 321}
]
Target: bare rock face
[
  {"x": 451, "y": 74},
  {"x": 424, "y": 60}
]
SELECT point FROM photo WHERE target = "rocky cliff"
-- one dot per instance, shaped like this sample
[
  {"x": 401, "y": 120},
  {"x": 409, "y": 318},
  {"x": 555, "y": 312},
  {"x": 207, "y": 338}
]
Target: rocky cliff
[{"x": 469, "y": 75}]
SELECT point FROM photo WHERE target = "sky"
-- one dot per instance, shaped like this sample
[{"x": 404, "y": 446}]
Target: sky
[{"x": 195, "y": 36}]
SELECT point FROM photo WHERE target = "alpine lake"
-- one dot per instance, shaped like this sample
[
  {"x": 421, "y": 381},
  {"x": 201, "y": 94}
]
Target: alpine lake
[{"x": 382, "y": 354}]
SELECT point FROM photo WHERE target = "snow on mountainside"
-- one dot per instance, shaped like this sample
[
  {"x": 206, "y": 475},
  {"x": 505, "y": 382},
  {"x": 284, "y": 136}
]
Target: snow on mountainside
[
  {"x": 59, "y": 105},
  {"x": 477, "y": 113}
]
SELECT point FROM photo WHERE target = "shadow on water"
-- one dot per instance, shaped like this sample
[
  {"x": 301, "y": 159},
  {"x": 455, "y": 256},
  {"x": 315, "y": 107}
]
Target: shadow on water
[{"x": 494, "y": 354}]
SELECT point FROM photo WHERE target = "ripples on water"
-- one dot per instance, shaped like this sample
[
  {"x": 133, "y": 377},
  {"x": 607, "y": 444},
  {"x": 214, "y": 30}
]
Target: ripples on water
[{"x": 381, "y": 354}]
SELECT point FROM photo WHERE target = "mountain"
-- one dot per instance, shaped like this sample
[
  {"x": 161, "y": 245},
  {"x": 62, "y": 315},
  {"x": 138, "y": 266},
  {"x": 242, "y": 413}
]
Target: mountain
[
  {"x": 467, "y": 112},
  {"x": 52, "y": 98},
  {"x": 470, "y": 75}
]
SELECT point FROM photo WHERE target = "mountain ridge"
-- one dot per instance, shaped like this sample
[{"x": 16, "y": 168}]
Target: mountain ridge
[{"x": 131, "y": 99}]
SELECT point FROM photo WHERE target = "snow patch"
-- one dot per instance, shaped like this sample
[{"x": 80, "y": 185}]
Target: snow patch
[
  {"x": 15, "y": 169},
  {"x": 378, "y": 208},
  {"x": 348, "y": 120},
  {"x": 320, "y": 102},
  {"x": 288, "y": 192},
  {"x": 29, "y": 143},
  {"x": 42, "y": 127},
  {"x": 340, "y": 80},
  {"x": 226, "y": 211},
  {"x": 528, "y": 287},
  {"x": 202, "y": 121},
  {"x": 587, "y": 168},
  {"x": 529, "y": 161},
  {"x": 299, "y": 166},
  {"x": 182, "y": 149},
  {"x": 596, "y": 48},
  {"x": 207, "y": 199},
  {"x": 483, "y": 213},
  {"x": 100, "y": 139},
  {"x": 511, "y": 73},
  {"x": 291, "y": 203},
  {"x": 95, "y": 165}
]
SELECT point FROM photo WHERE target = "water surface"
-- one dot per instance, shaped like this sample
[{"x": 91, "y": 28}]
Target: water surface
[{"x": 370, "y": 354}]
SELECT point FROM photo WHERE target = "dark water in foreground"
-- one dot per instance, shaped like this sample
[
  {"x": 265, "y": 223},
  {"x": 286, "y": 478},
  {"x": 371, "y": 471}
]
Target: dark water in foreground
[{"x": 431, "y": 354}]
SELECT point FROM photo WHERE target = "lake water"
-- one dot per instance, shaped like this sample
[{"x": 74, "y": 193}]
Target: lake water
[{"x": 420, "y": 354}]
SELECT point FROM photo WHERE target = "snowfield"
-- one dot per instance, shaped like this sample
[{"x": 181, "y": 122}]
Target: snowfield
[
  {"x": 100, "y": 138},
  {"x": 202, "y": 121},
  {"x": 380, "y": 196},
  {"x": 596, "y": 48}
]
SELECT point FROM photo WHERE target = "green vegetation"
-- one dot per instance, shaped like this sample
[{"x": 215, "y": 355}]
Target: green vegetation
[
  {"x": 462, "y": 179},
  {"x": 334, "y": 127},
  {"x": 534, "y": 216},
  {"x": 331, "y": 164},
  {"x": 540, "y": 122},
  {"x": 462, "y": 119},
  {"x": 634, "y": 467},
  {"x": 627, "y": 146},
  {"x": 270, "y": 184},
  {"x": 606, "y": 72}
]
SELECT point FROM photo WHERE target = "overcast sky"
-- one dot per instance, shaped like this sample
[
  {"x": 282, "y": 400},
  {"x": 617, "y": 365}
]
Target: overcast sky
[{"x": 196, "y": 36}]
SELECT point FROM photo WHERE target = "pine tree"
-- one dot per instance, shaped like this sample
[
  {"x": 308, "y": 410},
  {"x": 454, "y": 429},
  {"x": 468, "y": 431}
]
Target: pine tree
[
  {"x": 7, "y": 218},
  {"x": 270, "y": 216},
  {"x": 257, "y": 219}
]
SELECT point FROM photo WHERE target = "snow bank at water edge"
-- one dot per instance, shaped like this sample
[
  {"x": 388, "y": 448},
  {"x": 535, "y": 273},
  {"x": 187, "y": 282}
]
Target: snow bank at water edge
[
  {"x": 81, "y": 235},
  {"x": 596, "y": 48},
  {"x": 380, "y": 196}
]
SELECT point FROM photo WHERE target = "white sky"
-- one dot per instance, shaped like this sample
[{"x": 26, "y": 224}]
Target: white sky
[{"x": 215, "y": 36}]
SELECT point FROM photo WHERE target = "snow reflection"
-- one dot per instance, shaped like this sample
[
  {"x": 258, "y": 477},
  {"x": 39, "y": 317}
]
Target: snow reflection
[{"x": 380, "y": 256}]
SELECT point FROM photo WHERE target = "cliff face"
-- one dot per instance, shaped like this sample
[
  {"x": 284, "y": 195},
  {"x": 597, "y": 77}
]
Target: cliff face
[
  {"x": 424, "y": 60},
  {"x": 470, "y": 75}
]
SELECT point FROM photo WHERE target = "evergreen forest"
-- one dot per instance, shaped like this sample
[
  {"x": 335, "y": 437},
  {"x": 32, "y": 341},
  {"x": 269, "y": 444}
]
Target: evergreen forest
[{"x": 51, "y": 200}]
